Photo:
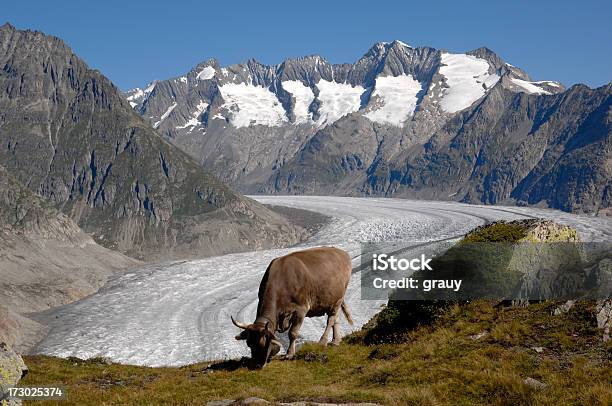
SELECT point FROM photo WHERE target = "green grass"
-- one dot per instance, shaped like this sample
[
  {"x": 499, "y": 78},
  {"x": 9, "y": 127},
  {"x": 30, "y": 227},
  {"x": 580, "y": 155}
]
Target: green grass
[{"x": 431, "y": 364}]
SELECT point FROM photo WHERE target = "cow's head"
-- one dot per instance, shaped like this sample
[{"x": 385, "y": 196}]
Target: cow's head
[{"x": 261, "y": 340}]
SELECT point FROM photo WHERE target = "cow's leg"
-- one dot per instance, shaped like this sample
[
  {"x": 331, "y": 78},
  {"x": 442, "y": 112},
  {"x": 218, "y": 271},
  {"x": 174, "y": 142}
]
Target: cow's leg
[
  {"x": 294, "y": 331},
  {"x": 331, "y": 320},
  {"x": 337, "y": 338}
]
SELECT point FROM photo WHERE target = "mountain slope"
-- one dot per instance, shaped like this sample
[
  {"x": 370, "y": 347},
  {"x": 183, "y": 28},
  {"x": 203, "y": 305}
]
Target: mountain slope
[
  {"x": 68, "y": 134},
  {"x": 529, "y": 149},
  {"x": 401, "y": 121},
  {"x": 46, "y": 261}
]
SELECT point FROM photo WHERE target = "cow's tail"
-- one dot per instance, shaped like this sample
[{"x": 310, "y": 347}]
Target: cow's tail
[{"x": 347, "y": 314}]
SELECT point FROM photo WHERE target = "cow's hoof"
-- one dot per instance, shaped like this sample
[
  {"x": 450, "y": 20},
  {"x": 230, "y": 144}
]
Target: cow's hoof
[
  {"x": 335, "y": 343},
  {"x": 323, "y": 343},
  {"x": 288, "y": 357}
]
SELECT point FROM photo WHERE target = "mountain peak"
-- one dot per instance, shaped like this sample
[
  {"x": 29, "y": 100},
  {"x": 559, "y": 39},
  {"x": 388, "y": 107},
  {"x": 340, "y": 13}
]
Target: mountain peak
[
  {"x": 7, "y": 26},
  {"x": 380, "y": 48},
  {"x": 208, "y": 62},
  {"x": 397, "y": 42},
  {"x": 488, "y": 55}
]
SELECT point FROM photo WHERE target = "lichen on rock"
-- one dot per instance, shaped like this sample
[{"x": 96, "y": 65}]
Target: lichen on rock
[{"x": 12, "y": 369}]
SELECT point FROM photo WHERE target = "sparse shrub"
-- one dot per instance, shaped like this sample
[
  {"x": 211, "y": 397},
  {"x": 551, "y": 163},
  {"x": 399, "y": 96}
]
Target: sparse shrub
[{"x": 401, "y": 316}]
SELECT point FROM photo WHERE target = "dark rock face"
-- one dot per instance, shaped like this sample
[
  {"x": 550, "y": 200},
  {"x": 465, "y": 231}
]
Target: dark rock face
[
  {"x": 505, "y": 139},
  {"x": 68, "y": 134}
]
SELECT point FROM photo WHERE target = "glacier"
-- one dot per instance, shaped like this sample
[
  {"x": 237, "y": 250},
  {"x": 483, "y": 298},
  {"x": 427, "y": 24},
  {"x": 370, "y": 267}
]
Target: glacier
[{"x": 178, "y": 313}]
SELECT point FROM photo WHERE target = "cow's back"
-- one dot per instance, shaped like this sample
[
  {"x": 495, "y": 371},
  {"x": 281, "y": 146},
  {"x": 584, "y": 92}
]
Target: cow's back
[{"x": 316, "y": 276}]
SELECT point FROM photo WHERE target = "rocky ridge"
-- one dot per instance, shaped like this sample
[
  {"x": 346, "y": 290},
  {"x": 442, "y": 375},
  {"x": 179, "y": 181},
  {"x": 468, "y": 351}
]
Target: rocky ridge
[
  {"x": 68, "y": 135},
  {"x": 401, "y": 121}
]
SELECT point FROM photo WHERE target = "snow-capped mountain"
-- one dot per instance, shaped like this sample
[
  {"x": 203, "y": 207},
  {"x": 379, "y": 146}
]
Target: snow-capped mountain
[
  {"x": 387, "y": 85},
  {"x": 308, "y": 126}
]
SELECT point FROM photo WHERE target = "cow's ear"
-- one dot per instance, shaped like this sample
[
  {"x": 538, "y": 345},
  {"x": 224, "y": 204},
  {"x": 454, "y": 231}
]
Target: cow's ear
[{"x": 243, "y": 335}]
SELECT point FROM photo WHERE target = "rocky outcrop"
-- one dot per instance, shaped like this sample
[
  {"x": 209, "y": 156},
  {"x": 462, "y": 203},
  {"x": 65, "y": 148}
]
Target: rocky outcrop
[
  {"x": 12, "y": 369},
  {"x": 531, "y": 259},
  {"x": 68, "y": 135},
  {"x": 604, "y": 317}
]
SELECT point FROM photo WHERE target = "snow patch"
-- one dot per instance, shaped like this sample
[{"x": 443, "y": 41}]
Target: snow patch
[
  {"x": 183, "y": 79},
  {"x": 403, "y": 43},
  {"x": 138, "y": 93},
  {"x": 546, "y": 82},
  {"x": 467, "y": 79},
  {"x": 303, "y": 96},
  {"x": 529, "y": 87},
  {"x": 194, "y": 120},
  {"x": 337, "y": 100},
  {"x": 398, "y": 95},
  {"x": 252, "y": 105},
  {"x": 165, "y": 115},
  {"x": 206, "y": 73},
  {"x": 150, "y": 88}
]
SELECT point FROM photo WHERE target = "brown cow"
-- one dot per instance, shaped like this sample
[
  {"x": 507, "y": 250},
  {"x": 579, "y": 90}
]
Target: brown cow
[{"x": 307, "y": 283}]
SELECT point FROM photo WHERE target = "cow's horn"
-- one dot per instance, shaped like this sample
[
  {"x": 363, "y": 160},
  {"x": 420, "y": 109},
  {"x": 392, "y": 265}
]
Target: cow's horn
[{"x": 238, "y": 324}]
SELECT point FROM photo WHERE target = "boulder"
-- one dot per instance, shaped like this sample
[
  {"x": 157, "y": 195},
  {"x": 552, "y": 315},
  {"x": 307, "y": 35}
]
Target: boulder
[
  {"x": 604, "y": 317},
  {"x": 12, "y": 369}
]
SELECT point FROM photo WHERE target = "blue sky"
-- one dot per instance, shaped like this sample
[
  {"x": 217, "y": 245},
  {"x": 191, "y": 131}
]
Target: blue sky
[{"x": 133, "y": 42}]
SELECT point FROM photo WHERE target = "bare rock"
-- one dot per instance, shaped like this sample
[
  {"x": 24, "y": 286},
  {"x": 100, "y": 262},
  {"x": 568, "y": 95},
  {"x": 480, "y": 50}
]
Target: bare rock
[
  {"x": 604, "y": 317},
  {"x": 12, "y": 369},
  {"x": 564, "y": 308},
  {"x": 254, "y": 401},
  {"x": 478, "y": 336},
  {"x": 534, "y": 383}
]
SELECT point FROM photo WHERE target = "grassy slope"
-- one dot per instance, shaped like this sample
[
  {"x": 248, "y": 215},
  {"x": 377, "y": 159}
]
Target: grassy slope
[{"x": 429, "y": 365}]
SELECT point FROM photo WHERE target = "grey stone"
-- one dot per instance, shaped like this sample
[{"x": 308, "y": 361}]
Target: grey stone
[
  {"x": 564, "y": 308},
  {"x": 478, "y": 336},
  {"x": 534, "y": 383},
  {"x": 604, "y": 317},
  {"x": 12, "y": 369},
  {"x": 254, "y": 401}
]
